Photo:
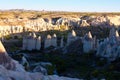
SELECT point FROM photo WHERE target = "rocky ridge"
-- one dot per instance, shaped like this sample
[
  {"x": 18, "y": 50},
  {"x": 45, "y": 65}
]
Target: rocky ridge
[{"x": 24, "y": 21}]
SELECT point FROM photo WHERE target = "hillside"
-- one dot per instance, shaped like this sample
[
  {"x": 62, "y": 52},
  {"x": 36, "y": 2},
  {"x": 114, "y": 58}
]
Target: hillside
[{"x": 17, "y": 17}]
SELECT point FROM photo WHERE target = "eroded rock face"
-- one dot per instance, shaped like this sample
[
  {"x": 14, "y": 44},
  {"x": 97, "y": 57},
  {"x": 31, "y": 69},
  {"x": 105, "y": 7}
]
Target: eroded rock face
[
  {"x": 67, "y": 21},
  {"x": 15, "y": 75},
  {"x": 71, "y": 37},
  {"x": 12, "y": 70},
  {"x": 51, "y": 41},
  {"x": 45, "y": 24},
  {"x": 87, "y": 43},
  {"x": 41, "y": 69},
  {"x": 31, "y": 42},
  {"x": 110, "y": 47},
  {"x": 114, "y": 20},
  {"x": 83, "y": 23},
  {"x": 7, "y": 61}
]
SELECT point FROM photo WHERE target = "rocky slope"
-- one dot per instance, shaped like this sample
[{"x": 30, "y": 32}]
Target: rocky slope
[
  {"x": 43, "y": 20},
  {"x": 18, "y": 21},
  {"x": 12, "y": 70},
  {"x": 15, "y": 75}
]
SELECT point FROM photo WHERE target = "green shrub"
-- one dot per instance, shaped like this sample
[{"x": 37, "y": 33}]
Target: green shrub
[{"x": 95, "y": 73}]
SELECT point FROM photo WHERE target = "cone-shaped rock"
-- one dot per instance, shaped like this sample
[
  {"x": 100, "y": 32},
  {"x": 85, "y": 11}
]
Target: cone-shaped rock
[
  {"x": 89, "y": 34},
  {"x": 5, "y": 60},
  {"x": 116, "y": 34},
  {"x": 73, "y": 33}
]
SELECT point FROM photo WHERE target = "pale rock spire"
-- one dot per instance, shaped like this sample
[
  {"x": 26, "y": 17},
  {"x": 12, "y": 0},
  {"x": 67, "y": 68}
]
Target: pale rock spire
[
  {"x": 89, "y": 34},
  {"x": 71, "y": 37},
  {"x": 2, "y": 49},
  {"x": 49, "y": 36},
  {"x": 47, "y": 41},
  {"x": 39, "y": 38},
  {"x": 73, "y": 33},
  {"x": 54, "y": 40},
  {"x": 88, "y": 43},
  {"x": 30, "y": 34},
  {"x": 38, "y": 43},
  {"x": 31, "y": 42},
  {"x": 34, "y": 35},
  {"x": 54, "y": 35},
  {"x": 116, "y": 33},
  {"x": 7, "y": 61}
]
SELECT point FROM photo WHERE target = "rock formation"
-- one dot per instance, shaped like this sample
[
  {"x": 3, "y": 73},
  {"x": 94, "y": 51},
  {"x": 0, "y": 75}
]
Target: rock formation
[
  {"x": 54, "y": 40},
  {"x": 105, "y": 48},
  {"x": 31, "y": 42},
  {"x": 110, "y": 47},
  {"x": 67, "y": 21},
  {"x": 51, "y": 41},
  {"x": 38, "y": 43},
  {"x": 12, "y": 70},
  {"x": 7, "y": 61},
  {"x": 114, "y": 20},
  {"x": 71, "y": 37},
  {"x": 47, "y": 41},
  {"x": 100, "y": 21},
  {"x": 83, "y": 23},
  {"x": 15, "y": 75},
  {"x": 10, "y": 26},
  {"x": 88, "y": 43}
]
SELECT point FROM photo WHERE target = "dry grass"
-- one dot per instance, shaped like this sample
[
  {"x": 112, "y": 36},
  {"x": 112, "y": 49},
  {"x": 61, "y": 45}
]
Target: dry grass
[
  {"x": 48, "y": 14},
  {"x": 18, "y": 17}
]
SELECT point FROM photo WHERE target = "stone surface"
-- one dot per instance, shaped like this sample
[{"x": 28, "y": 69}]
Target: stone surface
[
  {"x": 50, "y": 41},
  {"x": 31, "y": 42},
  {"x": 41, "y": 69},
  {"x": 83, "y": 23},
  {"x": 47, "y": 41},
  {"x": 88, "y": 43},
  {"x": 110, "y": 46},
  {"x": 54, "y": 40},
  {"x": 12, "y": 70},
  {"x": 7, "y": 61},
  {"x": 16, "y": 75},
  {"x": 44, "y": 24},
  {"x": 38, "y": 43},
  {"x": 71, "y": 37}
]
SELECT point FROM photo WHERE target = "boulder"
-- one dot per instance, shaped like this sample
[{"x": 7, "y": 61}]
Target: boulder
[{"x": 41, "y": 69}]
